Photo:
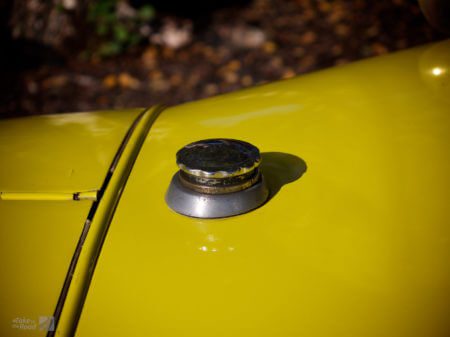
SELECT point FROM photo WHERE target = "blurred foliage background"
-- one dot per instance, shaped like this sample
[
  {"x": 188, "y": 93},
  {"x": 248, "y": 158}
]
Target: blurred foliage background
[{"x": 80, "y": 55}]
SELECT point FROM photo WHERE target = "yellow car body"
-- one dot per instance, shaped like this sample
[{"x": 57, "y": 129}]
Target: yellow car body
[{"x": 356, "y": 244}]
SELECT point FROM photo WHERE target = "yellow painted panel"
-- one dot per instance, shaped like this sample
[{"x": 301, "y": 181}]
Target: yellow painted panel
[
  {"x": 46, "y": 163},
  {"x": 63, "y": 153},
  {"x": 357, "y": 246},
  {"x": 38, "y": 239}
]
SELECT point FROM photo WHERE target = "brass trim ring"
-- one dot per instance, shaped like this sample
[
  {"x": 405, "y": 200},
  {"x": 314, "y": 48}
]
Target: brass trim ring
[{"x": 221, "y": 189}]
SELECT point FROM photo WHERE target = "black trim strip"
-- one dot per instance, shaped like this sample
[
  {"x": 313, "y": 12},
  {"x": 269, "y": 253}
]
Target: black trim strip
[{"x": 87, "y": 224}]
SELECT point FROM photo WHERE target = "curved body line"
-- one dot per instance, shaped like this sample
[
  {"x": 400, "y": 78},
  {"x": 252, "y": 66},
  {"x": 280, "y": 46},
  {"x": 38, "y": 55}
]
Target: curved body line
[{"x": 96, "y": 226}]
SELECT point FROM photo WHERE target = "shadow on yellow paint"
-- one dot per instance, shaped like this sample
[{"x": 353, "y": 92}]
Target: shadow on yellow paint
[{"x": 281, "y": 168}]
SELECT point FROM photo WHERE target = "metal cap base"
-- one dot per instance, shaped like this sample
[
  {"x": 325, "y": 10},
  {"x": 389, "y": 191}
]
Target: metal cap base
[{"x": 199, "y": 205}]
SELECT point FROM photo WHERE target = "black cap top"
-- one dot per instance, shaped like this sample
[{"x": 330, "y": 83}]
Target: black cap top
[{"x": 218, "y": 158}]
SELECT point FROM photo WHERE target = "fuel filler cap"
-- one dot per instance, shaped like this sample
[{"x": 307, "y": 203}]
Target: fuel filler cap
[{"x": 217, "y": 178}]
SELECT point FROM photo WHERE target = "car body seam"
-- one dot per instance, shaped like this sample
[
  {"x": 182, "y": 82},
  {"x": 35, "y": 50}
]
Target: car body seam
[{"x": 82, "y": 266}]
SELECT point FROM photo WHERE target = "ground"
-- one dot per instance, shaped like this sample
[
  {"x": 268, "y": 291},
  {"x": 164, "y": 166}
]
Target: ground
[{"x": 196, "y": 56}]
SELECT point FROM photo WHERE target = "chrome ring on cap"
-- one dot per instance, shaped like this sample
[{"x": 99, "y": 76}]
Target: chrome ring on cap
[{"x": 218, "y": 158}]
